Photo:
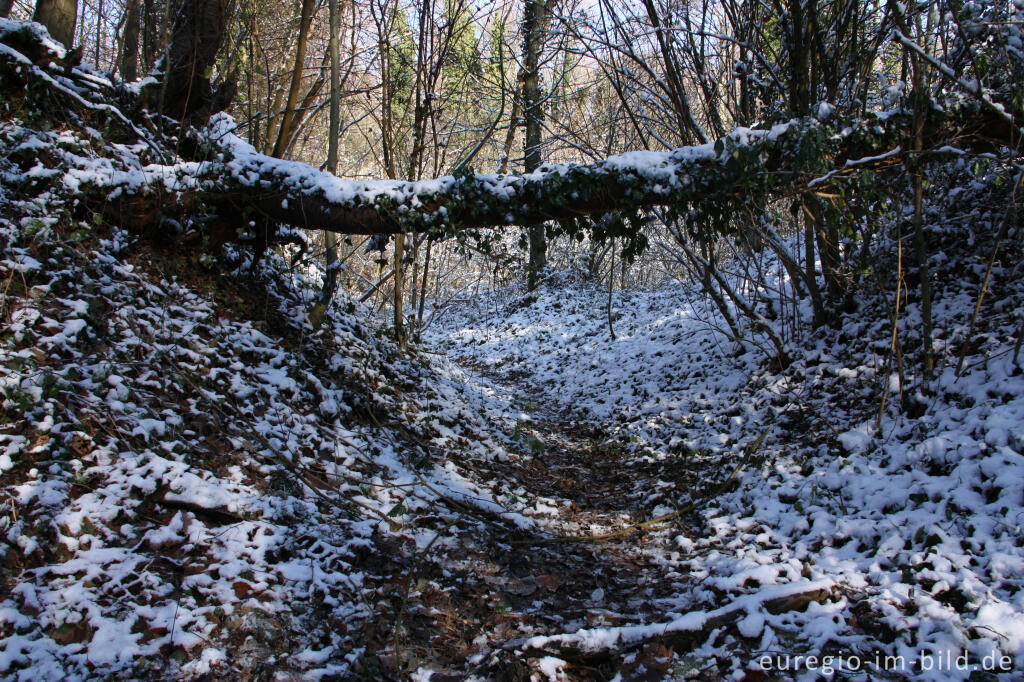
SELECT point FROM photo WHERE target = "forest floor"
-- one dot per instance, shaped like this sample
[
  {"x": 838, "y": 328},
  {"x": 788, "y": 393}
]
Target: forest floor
[
  {"x": 198, "y": 481},
  {"x": 202, "y": 485},
  {"x": 570, "y": 474},
  {"x": 790, "y": 526}
]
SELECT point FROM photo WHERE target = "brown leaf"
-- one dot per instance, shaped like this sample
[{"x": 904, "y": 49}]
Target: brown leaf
[
  {"x": 521, "y": 589},
  {"x": 650, "y": 665},
  {"x": 552, "y": 582},
  {"x": 81, "y": 444},
  {"x": 72, "y": 633}
]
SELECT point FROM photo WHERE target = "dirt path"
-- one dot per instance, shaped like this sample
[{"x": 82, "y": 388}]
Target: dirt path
[{"x": 489, "y": 587}]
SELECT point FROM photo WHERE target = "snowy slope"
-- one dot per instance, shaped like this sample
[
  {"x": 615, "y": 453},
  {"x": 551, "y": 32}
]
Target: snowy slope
[{"x": 195, "y": 479}]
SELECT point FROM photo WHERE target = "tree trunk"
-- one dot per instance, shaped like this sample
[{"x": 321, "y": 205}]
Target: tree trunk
[
  {"x": 827, "y": 237},
  {"x": 151, "y": 19},
  {"x": 5, "y": 8},
  {"x": 920, "y": 97},
  {"x": 414, "y": 277},
  {"x": 99, "y": 34},
  {"x": 423, "y": 293},
  {"x": 130, "y": 46},
  {"x": 296, "y": 194},
  {"x": 284, "y": 131},
  {"x": 924, "y": 273},
  {"x": 195, "y": 40},
  {"x": 920, "y": 104},
  {"x": 423, "y": 103},
  {"x": 533, "y": 38},
  {"x": 681, "y": 635},
  {"x": 810, "y": 274},
  {"x": 689, "y": 130},
  {"x": 399, "y": 282},
  {"x": 799, "y": 57},
  {"x": 330, "y": 240},
  {"x": 59, "y": 17},
  {"x": 802, "y": 18}
]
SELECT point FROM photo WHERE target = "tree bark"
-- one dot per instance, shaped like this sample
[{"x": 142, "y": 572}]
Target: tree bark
[
  {"x": 533, "y": 42},
  {"x": 284, "y": 131},
  {"x": 294, "y": 193},
  {"x": 423, "y": 292},
  {"x": 689, "y": 130},
  {"x": 130, "y": 46},
  {"x": 330, "y": 240},
  {"x": 919, "y": 95},
  {"x": 682, "y": 634},
  {"x": 801, "y": 39},
  {"x": 230, "y": 175},
  {"x": 399, "y": 285},
  {"x": 59, "y": 17},
  {"x": 187, "y": 95},
  {"x": 237, "y": 180},
  {"x": 151, "y": 31}
]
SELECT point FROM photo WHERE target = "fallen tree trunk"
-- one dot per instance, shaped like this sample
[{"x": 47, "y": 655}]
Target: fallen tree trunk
[
  {"x": 802, "y": 155},
  {"x": 227, "y": 174}
]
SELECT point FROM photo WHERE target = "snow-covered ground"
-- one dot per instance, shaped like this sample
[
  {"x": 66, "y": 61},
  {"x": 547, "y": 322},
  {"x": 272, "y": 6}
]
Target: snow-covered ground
[
  {"x": 200, "y": 481},
  {"x": 916, "y": 527},
  {"x": 195, "y": 479},
  {"x": 178, "y": 480}
]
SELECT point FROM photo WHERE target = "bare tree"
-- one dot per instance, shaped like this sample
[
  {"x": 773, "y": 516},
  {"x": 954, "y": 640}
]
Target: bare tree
[
  {"x": 330, "y": 240},
  {"x": 287, "y": 124}
]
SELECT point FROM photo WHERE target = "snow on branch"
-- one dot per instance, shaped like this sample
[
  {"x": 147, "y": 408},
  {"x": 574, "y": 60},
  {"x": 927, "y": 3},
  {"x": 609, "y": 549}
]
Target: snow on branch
[
  {"x": 783, "y": 158},
  {"x": 588, "y": 643},
  {"x": 223, "y": 172}
]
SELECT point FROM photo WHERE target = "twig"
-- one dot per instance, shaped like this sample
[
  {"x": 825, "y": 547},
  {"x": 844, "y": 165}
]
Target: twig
[
  {"x": 1010, "y": 210},
  {"x": 418, "y": 562},
  {"x": 895, "y": 332}
]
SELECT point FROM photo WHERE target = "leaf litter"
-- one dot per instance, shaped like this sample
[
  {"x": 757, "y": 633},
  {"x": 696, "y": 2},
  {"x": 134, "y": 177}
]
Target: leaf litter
[{"x": 198, "y": 483}]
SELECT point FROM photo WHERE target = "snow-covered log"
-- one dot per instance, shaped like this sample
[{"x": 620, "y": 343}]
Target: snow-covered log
[
  {"x": 222, "y": 171},
  {"x": 800, "y": 155}
]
